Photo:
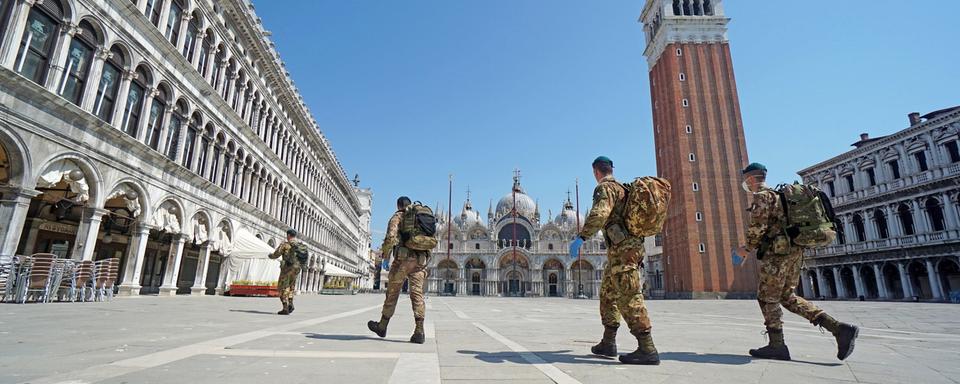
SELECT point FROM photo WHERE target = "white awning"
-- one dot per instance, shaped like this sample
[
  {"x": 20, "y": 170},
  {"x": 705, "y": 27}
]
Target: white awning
[{"x": 333, "y": 270}]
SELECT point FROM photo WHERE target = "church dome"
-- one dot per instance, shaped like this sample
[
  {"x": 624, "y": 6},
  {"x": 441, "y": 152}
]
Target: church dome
[
  {"x": 468, "y": 216},
  {"x": 568, "y": 216},
  {"x": 526, "y": 206}
]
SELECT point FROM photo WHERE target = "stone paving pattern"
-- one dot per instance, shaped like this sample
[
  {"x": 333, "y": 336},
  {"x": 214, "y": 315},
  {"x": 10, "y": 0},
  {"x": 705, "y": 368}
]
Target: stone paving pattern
[{"x": 470, "y": 340}]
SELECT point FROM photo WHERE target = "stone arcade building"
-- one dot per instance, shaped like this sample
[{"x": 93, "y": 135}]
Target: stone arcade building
[
  {"x": 517, "y": 256},
  {"x": 155, "y": 131},
  {"x": 897, "y": 199}
]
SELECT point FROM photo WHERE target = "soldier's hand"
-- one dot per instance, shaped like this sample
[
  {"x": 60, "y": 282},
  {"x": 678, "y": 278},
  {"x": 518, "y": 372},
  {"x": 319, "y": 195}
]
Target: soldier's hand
[
  {"x": 575, "y": 247},
  {"x": 385, "y": 265}
]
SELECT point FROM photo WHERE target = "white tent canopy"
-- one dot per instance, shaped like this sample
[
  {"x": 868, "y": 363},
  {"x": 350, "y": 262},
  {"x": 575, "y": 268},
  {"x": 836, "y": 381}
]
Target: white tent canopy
[
  {"x": 333, "y": 270},
  {"x": 249, "y": 260}
]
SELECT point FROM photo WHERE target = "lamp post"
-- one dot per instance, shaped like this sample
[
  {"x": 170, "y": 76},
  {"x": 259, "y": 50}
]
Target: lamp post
[{"x": 580, "y": 294}]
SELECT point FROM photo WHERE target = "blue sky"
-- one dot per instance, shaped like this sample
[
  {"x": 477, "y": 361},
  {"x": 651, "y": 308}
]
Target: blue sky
[{"x": 411, "y": 91}]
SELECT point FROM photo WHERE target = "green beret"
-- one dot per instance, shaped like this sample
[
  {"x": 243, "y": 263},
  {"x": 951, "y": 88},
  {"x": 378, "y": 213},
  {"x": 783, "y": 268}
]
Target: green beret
[
  {"x": 603, "y": 159},
  {"x": 755, "y": 167}
]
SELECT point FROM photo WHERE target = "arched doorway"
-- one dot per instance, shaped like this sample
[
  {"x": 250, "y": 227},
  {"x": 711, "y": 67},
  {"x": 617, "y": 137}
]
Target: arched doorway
[
  {"x": 891, "y": 275},
  {"x": 476, "y": 269},
  {"x": 949, "y": 274},
  {"x": 553, "y": 271},
  {"x": 919, "y": 280},
  {"x": 447, "y": 272},
  {"x": 584, "y": 278},
  {"x": 870, "y": 282},
  {"x": 849, "y": 282},
  {"x": 162, "y": 245},
  {"x": 55, "y": 216},
  {"x": 831, "y": 283},
  {"x": 124, "y": 211},
  {"x": 514, "y": 268},
  {"x": 190, "y": 266}
]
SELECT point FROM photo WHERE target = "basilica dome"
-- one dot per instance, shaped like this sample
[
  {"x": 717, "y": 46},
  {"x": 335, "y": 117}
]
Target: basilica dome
[
  {"x": 568, "y": 217},
  {"x": 468, "y": 216},
  {"x": 526, "y": 206}
]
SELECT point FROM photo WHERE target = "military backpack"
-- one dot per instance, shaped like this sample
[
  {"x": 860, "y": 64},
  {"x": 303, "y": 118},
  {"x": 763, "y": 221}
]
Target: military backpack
[
  {"x": 418, "y": 228},
  {"x": 298, "y": 255},
  {"x": 808, "y": 215},
  {"x": 645, "y": 205}
]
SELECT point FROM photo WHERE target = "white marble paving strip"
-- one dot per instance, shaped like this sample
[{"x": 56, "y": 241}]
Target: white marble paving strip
[
  {"x": 554, "y": 373},
  {"x": 430, "y": 329},
  {"x": 308, "y": 354},
  {"x": 123, "y": 367},
  {"x": 416, "y": 368}
]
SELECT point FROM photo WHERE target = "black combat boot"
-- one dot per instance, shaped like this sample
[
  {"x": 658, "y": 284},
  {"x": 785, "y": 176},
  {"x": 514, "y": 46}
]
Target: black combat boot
[
  {"x": 285, "y": 310},
  {"x": 418, "y": 336},
  {"x": 775, "y": 348},
  {"x": 646, "y": 353},
  {"x": 379, "y": 327},
  {"x": 608, "y": 344},
  {"x": 290, "y": 306},
  {"x": 845, "y": 334}
]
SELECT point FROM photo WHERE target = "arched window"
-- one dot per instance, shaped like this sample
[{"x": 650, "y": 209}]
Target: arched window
[
  {"x": 707, "y": 8},
  {"x": 227, "y": 84},
  {"x": 676, "y": 8},
  {"x": 237, "y": 87},
  {"x": 39, "y": 39},
  {"x": 859, "y": 228},
  {"x": 155, "y": 119},
  {"x": 173, "y": 131},
  {"x": 134, "y": 104},
  {"x": 205, "y": 49},
  {"x": 109, "y": 85},
  {"x": 190, "y": 141},
  {"x": 173, "y": 22},
  {"x": 153, "y": 10},
  {"x": 190, "y": 39},
  {"x": 880, "y": 219},
  {"x": 935, "y": 212},
  {"x": 906, "y": 219},
  {"x": 227, "y": 159},
  {"x": 79, "y": 57}
]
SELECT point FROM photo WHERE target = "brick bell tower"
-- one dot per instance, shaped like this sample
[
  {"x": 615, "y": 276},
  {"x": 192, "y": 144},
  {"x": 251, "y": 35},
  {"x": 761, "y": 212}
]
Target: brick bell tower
[{"x": 700, "y": 148}]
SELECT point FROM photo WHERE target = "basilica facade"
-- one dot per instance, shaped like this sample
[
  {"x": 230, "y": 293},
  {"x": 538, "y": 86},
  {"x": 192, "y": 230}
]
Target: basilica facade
[{"x": 515, "y": 252}]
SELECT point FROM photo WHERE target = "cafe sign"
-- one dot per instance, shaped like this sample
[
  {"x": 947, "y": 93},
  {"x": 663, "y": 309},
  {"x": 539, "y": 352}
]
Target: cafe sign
[{"x": 58, "y": 228}]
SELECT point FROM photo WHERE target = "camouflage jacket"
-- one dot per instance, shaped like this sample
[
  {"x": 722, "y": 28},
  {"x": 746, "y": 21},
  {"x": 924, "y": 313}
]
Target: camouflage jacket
[
  {"x": 284, "y": 252},
  {"x": 606, "y": 196},
  {"x": 392, "y": 238},
  {"x": 766, "y": 223}
]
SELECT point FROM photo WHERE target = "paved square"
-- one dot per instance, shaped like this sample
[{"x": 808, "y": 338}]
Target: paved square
[{"x": 513, "y": 340}]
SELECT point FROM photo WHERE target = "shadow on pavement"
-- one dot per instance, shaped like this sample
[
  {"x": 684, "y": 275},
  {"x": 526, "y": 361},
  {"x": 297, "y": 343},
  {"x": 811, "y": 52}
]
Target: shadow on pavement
[
  {"x": 563, "y": 357},
  {"x": 254, "y": 312},
  {"x": 706, "y": 358},
  {"x": 320, "y": 336}
]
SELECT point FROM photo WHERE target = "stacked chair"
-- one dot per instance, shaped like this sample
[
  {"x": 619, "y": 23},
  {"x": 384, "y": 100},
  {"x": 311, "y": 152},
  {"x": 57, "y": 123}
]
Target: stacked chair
[{"x": 37, "y": 278}]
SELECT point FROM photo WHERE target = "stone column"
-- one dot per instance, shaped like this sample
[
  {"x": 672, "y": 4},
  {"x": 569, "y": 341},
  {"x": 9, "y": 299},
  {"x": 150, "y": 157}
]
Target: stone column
[
  {"x": 197, "y": 43},
  {"x": 130, "y": 286},
  {"x": 17, "y": 23},
  {"x": 950, "y": 211},
  {"x": 881, "y": 282},
  {"x": 57, "y": 73},
  {"x": 87, "y": 233},
  {"x": 805, "y": 283},
  {"x": 824, "y": 287},
  {"x": 905, "y": 281},
  {"x": 858, "y": 282},
  {"x": 893, "y": 222},
  {"x": 934, "y": 280},
  {"x": 169, "y": 287},
  {"x": 164, "y": 18},
  {"x": 164, "y": 131},
  {"x": 93, "y": 82},
  {"x": 182, "y": 34},
  {"x": 203, "y": 265},
  {"x": 13, "y": 211},
  {"x": 919, "y": 218},
  {"x": 841, "y": 290},
  {"x": 119, "y": 118},
  {"x": 210, "y": 63},
  {"x": 145, "y": 115}
]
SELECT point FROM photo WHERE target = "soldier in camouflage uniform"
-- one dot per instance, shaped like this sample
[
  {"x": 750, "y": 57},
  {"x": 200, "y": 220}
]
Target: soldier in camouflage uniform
[
  {"x": 620, "y": 290},
  {"x": 780, "y": 270},
  {"x": 289, "y": 271},
  {"x": 409, "y": 265}
]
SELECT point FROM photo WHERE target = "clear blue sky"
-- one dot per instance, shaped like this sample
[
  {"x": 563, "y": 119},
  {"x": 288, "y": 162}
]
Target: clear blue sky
[{"x": 411, "y": 91}]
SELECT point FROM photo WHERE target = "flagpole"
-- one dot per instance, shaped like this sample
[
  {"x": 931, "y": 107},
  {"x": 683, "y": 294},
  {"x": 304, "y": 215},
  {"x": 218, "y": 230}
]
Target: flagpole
[{"x": 579, "y": 252}]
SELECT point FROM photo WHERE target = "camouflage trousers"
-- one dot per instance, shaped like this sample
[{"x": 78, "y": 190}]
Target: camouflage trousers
[
  {"x": 620, "y": 295},
  {"x": 778, "y": 285},
  {"x": 287, "y": 283},
  {"x": 413, "y": 271}
]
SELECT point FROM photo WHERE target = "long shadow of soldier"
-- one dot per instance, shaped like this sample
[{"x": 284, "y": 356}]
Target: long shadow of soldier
[
  {"x": 547, "y": 356},
  {"x": 320, "y": 336}
]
